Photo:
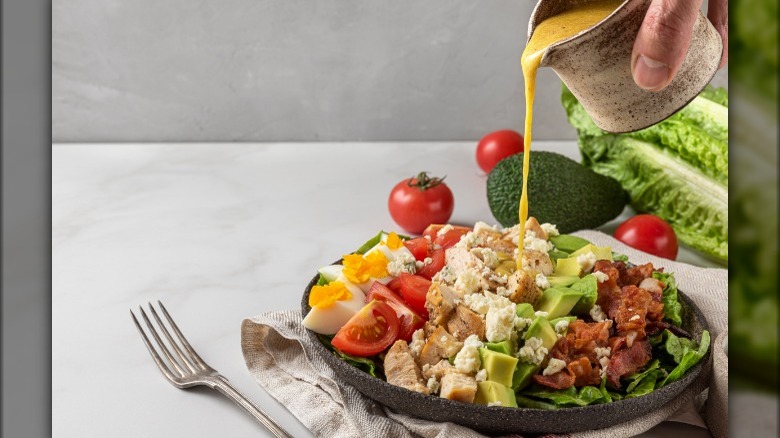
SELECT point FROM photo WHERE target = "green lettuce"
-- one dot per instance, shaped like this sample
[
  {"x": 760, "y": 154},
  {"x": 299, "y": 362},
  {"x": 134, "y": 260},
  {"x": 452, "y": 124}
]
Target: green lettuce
[
  {"x": 676, "y": 169},
  {"x": 367, "y": 364},
  {"x": 566, "y": 397},
  {"x": 672, "y": 308}
]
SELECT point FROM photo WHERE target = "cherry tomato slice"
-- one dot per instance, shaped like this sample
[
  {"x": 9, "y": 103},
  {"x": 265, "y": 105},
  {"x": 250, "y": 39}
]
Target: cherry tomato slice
[
  {"x": 420, "y": 247},
  {"x": 408, "y": 318},
  {"x": 414, "y": 288},
  {"x": 373, "y": 329},
  {"x": 449, "y": 238},
  {"x": 437, "y": 262}
]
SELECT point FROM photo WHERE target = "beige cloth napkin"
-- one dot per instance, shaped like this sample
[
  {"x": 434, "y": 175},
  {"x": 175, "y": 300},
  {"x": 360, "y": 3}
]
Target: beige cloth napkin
[{"x": 275, "y": 349}]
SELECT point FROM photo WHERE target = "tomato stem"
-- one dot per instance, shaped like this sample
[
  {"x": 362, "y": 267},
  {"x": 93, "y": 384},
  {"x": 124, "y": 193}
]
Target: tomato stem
[{"x": 423, "y": 182}]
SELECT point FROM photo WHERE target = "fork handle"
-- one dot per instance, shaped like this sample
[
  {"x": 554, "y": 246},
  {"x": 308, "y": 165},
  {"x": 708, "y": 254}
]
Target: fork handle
[{"x": 223, "y": 385}]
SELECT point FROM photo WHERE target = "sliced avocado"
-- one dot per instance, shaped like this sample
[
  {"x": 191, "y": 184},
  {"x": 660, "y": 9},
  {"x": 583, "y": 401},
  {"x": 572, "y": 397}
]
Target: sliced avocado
[
  {"x": 558, "y": 301},
  {"x": 492, "y": 392},
  {"x": 568, "y": 267},
  {"x": 568, "y": 243},
  {"x": 500, "y": 367},
  {"x": 566, "y": 280},
  {"x": 588, "y": 285},
  {"x": 601, "y": 252},
  {"x": 522, "y": 376},
  {"x": 505, "y": 347},
  {"x": 542, "y": 329},
  {"x": 525, "y": 310}
]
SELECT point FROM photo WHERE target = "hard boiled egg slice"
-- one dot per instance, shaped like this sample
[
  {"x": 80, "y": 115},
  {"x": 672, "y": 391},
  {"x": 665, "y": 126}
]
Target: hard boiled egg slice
[{"x": 332, "y": 306}]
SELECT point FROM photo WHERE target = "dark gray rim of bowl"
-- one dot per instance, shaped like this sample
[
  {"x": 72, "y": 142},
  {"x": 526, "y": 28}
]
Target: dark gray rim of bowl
[{"x": 496, "y": 419}]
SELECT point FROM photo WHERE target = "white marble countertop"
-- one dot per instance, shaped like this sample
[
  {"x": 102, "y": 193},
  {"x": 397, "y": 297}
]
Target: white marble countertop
[{"x": 218, "y": 232}]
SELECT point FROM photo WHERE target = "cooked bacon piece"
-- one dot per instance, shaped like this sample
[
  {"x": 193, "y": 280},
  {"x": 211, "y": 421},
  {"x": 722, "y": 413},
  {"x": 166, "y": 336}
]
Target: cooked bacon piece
[
  {"x": 594, "y": 331},
  {"x": 584, "y": 373},
  {"x": 560, "y": 380},
  {"x": 655, "y": 310},
  {"x": 631, "y": 312},
  {"x": 633, "y": 276},
  {"x": 627, "y": 361},
  {"x": 655, "y": 327}
]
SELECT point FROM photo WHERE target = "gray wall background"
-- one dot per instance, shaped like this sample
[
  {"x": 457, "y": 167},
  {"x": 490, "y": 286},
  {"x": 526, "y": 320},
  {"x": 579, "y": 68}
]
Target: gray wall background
[{"x": 287, "y": 70}]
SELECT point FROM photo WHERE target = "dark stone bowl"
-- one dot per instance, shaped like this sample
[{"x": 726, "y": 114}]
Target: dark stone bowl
[{"x": 502, "y": 420}]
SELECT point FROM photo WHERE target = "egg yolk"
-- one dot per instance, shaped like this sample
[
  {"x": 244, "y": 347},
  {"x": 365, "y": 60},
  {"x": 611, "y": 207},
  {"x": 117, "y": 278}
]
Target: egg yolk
[
  {"x": 359, "y": 269},
  {"x": 393, "y": 241},
  {"x": 327, "y": 295}
]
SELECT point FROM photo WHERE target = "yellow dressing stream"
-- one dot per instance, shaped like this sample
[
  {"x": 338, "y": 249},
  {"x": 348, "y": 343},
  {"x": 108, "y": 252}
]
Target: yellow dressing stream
[{"x": 550, "y": 31}]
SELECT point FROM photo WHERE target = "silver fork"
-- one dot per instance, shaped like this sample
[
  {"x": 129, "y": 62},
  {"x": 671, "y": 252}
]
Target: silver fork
[{"x": 190, "y": 370}]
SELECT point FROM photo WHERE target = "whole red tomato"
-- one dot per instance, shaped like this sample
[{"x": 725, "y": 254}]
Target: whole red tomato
[
  {"x": 420, "y": 201},
  {"x": 496, "y": 146},
  {"x": 650, "y": 234}
]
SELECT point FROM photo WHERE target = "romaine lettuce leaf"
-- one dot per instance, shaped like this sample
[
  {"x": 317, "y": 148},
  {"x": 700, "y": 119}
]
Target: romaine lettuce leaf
[
  {"x": 688, "y": 358},
  {"x": 672, "y": 308},
  {"x": 566, "y": 397},
  {"x": 366, "y": 364}
]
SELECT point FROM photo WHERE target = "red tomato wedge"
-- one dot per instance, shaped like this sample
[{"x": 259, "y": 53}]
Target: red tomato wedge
[
  {"x": 413, "y": 289},
  {"x": 448, "y": 239},
  {"x": 374, "y": 328},
  {"x": 437, "y": 262},
  {"x": 420, "y": 247},
  {"x": 409, "y": 319}
]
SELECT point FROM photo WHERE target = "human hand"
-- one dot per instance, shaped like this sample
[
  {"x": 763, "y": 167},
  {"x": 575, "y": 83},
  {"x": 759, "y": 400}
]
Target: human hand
[{"x": 665, "y": 35}]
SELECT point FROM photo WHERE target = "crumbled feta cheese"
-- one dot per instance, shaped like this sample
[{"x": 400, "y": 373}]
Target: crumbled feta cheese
[
  {"x": 541, "y": 313},
  {"x": 481, "y": 376},
  {"x": 586, "y": 261},
  {"x": 482, "y": 226},
  {"x": 550, "y": 229},
  {"x": 597, "y": 314},
  {"x": 634, "y": 318},
  {"x": 468, "y": 281},
  {"x": 488, "y": 256},
  {"x": 433, "y": 385},
  {"x": 602, "y": 352},
  {"x": 522, "y": 323},
  {"x": 443, "y": 230},
  {"x": 542, "y": 281},
  {"x": 470, "y": 240},
  {"x": 561, "y": 326},
  {"x": 446, "y": 276},
  {"x": 554, "y": 366},
  {"x": 404, "y": 262},
  {"x": 500, "y": 323},
  {"x": 532, "y": 242},
  {"x": 467, "y": 360},
  {"x": 425, "y": 262},
  {"x": 418, "y": 342},
  {"x": 498, "y": 278},
  {"x": 502, "y": 291},
  {"x": 478, "y": 303},
  {"x": 532, "y": 352},
  {"x": 600, "y": 276},
  {"x": 495, "y": 403}
]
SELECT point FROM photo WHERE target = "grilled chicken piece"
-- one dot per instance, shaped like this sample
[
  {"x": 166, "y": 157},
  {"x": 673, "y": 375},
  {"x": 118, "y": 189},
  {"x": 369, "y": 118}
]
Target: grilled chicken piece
[
  {"x": 440, "y": 345},
  {"x": 401, "y": 369},
  {"x": 439, "y": 370},
  {"x": 465, "y": 322},
  {"x": 522, "y": 288},
  {"x": 533, "y": 225},
  {"x": 440, "y": 302},
  {"x": 537, "y": 261},
  {"x": 458, "y": 386}
]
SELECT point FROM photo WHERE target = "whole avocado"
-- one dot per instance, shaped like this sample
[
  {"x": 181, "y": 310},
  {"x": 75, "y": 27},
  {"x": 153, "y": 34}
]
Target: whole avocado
[{"x": 561, "y": 192}]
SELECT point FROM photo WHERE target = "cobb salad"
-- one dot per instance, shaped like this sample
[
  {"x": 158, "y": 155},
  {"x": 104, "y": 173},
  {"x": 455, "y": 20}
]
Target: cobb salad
[{"x": 479, "y": 315}]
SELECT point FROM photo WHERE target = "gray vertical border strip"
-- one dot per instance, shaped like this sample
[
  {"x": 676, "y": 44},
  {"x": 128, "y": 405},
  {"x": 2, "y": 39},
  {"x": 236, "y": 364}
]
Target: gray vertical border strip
[{"x": 25, "y": 307}]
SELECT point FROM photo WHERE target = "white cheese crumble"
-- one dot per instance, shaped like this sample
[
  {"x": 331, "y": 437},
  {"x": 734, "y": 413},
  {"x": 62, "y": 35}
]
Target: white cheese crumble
[
  {"x": 443, "y": 230},
  {"x": 468, "y": 282},
  {"x": 597, "y": 314},
  {"x": 446, "y": 275},
  {"x": 554, "y": 366},
  {"x": 504, "y": 292},
  {"x": 418, "y": 342},
  {"x": 500, "y": 323},
  {"x": 470, "y": 240},
  {"x": 550, "y": 229},
  {"x": 495, "y": 403},
  {"x": 467, "y": 360},
  {"x": 404, "y": 262},
  {"x": 425, "y": 262},
  {"x": 532, "y": 352},
  {"x": 498, "y": 278},
  {"x": 433, "y": 385},
  {"x": 480, "y": 303},
  {"x": 481, "y": 376},
  {"x": 561, "y": 326},
  {"x": 522, "y": 323},
  {"x": 586, "y": 261},
  {"x": 539, "y": 313},
  {"x": 634, "y": 318},
  {"x": 542, "y": 281},
  {"x": 482, "y": 226},
  {"x": 532, "y": 242},
  {"x": 602, "y": 352},
  {"x": 600, "y": 276},
  {"x": 488, "y": 256}
]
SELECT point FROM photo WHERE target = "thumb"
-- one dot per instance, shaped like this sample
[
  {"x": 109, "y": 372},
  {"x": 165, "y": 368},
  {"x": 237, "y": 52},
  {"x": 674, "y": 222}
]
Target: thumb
[{"x": 662, "y": 42}]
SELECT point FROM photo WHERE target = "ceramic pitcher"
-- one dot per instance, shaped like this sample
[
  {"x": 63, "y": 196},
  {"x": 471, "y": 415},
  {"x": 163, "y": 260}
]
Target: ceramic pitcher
[{"x": 596, "y": 66}]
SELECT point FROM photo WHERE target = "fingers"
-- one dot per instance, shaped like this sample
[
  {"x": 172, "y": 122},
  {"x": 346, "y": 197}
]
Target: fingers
[
  {"x": 662, "y": 42},
  {"x": 718, "y": 13}
]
